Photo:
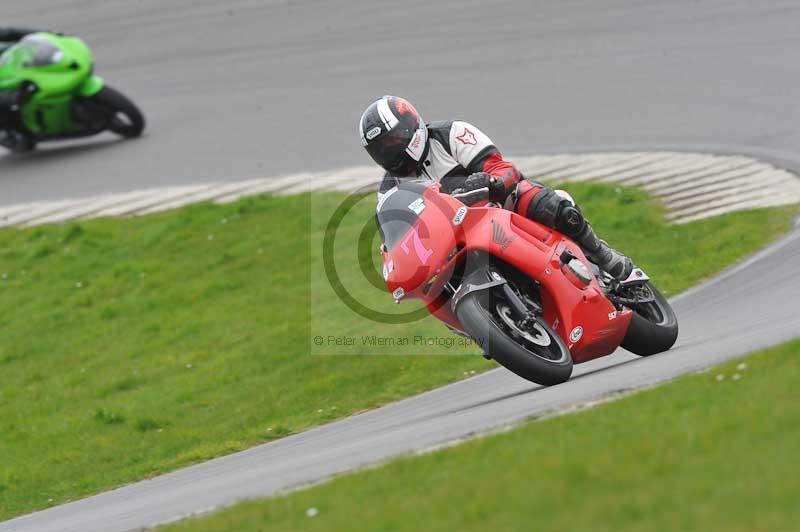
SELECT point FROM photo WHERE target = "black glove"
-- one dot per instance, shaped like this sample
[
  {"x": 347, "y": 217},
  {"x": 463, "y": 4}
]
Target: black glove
[{"x": 497, "y": 190}]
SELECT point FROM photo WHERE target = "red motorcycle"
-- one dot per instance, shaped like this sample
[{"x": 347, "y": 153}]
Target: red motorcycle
[{"x": 523, "y": 291}]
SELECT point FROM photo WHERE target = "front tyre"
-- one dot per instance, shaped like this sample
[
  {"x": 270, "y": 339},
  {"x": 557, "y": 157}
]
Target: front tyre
[
  {"x": 654, "y": 326},
  {"x": 124, "y": 117},
  {"x": 533, "y": 352}
]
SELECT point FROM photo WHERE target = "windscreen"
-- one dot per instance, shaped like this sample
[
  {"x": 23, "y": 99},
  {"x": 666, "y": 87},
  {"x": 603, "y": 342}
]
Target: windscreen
[
  {"x": 33, "y": 50},
  {"x": 398, "y": 210}
]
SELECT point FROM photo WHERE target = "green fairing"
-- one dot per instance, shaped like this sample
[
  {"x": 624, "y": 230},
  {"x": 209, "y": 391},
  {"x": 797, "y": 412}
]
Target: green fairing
[
  {"x": 60, "y": 68},
  {"x": 91, "y": 86}
]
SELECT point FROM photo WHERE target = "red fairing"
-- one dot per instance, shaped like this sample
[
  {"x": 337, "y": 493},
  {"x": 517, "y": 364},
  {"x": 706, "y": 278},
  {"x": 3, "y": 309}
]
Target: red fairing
[
  {"x": 496, "y": 166},
  {"x": 424, "y": 260}
]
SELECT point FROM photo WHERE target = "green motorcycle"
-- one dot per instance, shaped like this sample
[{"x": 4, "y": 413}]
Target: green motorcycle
[{"x": 55, "y": 94}]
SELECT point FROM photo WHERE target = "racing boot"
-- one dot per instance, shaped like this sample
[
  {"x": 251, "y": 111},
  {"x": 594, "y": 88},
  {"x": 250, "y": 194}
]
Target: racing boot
[
  {"x": 607, "y": 258},
  {"x": 11, "y": 135}
]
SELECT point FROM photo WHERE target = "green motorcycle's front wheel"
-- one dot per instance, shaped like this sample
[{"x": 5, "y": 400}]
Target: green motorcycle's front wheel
[{"x": 125, "y": 119}]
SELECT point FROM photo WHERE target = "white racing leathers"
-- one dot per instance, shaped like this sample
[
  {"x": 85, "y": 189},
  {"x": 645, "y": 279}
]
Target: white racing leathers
[{"x": 455, "y": 148}]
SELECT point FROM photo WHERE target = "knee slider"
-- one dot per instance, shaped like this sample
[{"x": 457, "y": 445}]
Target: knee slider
[
  {"x": 570, "y": 220},
  {"x": 553, "y": 210}
]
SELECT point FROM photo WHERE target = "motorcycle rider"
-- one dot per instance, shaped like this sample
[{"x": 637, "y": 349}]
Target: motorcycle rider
[
  {"x": 12, "y": 136},
  {"x": 463, "y": 158},
  {"x": 9, "y": 35}
]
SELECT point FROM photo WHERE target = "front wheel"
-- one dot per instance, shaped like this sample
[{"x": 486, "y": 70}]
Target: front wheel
[
  {"x": 124, "y": 117},
  {"x": 530, "y": 349},
  {"x": 654, "y": 326}
]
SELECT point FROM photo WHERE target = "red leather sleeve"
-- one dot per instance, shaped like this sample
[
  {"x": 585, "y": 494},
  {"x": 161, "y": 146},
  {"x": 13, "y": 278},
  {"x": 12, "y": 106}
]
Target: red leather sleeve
[{"x": 498, "y": 167}]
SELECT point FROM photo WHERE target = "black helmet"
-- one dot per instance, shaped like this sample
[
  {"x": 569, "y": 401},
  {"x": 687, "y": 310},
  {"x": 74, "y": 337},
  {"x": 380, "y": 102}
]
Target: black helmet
[{"x": 394, "y": 135}]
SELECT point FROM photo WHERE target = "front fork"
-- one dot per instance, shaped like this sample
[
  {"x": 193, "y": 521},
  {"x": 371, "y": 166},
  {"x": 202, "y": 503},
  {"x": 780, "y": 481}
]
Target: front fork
[
  {"x": 527, "y": 315},
  {"x": 91, "y": 86}
]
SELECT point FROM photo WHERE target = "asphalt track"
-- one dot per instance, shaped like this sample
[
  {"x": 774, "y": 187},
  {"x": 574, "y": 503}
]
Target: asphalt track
[{"x": 245, "y": 89}]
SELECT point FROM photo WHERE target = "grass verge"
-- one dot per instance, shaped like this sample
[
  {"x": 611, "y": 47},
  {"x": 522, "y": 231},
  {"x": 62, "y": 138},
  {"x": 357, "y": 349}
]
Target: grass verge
[
  {"x": 703, "y": 452},
  {"x": 135, "y": 346}
]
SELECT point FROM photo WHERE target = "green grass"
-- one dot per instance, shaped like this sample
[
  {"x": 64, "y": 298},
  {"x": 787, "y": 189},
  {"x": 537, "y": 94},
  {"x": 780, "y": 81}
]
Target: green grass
[
  {"x": 696, "y": 454},
  {"x": 135, "y": 346}
]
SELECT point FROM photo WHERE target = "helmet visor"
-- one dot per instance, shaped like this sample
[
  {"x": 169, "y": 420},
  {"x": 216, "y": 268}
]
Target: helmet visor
[{"x": 389, "y": 150}]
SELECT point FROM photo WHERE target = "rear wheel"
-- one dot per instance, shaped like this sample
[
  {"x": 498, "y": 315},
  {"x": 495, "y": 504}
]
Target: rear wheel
[
  {"x": 124, "y": 117},
  {"x": 654, "y": 326},
  {"x": 529, "y": 348},
  {"x": 16, "y": 141}
]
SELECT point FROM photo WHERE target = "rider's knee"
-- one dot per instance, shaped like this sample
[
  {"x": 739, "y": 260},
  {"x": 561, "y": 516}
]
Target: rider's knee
[{"x": 553, "y": 208}]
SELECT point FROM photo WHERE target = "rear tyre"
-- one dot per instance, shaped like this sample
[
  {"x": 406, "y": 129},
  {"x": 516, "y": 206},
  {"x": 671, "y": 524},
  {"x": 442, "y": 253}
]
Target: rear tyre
[
  {"x": 654, "y": 326},
  {"x": 25, "y": 144},
  {"x": 125, "y": 118},
  {"x": 535, "y": 353}
]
